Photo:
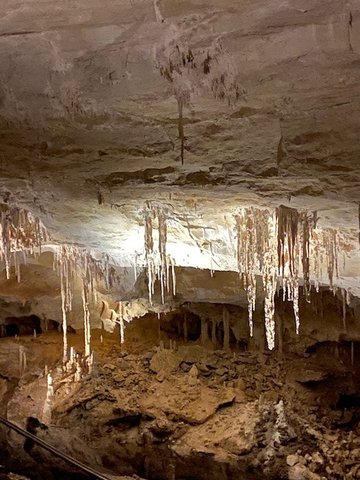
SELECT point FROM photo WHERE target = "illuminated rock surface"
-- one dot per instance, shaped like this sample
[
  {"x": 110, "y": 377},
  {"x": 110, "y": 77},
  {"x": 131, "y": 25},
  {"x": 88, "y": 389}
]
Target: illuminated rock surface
[{"x": 184, "y": 172}]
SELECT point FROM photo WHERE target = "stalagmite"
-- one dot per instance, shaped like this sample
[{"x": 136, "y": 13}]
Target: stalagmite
[
  {"x": 279, "y": 331},
  {"x": 72, "y": 356},
  {"x": 185, "y": 327},
  {"x": 204, "y": 332},
  {"x": 90, "y": 362},
  {"x": 46, "y": 415},
  {"x": 213, "y": 332},
  {"x": 22, "y": 360},
  {"x": 50, "y": 387},
  {"x": 78, "y": 372},
  {"x": 226, "y": 324}
]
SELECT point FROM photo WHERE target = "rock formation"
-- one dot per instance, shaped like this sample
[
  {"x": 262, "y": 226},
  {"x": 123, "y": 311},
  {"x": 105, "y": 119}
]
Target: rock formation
[{"x": 180, "y": 238}]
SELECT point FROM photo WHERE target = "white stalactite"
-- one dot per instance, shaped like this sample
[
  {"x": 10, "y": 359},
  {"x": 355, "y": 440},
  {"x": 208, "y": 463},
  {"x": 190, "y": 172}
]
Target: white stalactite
[
  {"x": 21, "y": 234},
  {"x": 157, "y": 261},
  {"x": 283, "y": 246},
  {"x": 87, "y": 328},
  {"x": 74, "y": 263}
]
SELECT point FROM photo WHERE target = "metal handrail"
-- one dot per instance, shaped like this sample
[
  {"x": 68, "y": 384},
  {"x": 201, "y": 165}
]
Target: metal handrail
[{"x": 55, "y": 451}]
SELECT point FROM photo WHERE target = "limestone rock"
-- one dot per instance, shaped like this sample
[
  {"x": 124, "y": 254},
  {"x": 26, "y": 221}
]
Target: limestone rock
[
  {"x": 311, "y": 376},
  {"x": 292, "y": 460},
  {"x": 300, "y": 472},
  {"x": 193, "y": 375},
  {"x": 166, "y": 361},
  {"x": 193, "y": 353},
  {"x": 160, "y": 376}
]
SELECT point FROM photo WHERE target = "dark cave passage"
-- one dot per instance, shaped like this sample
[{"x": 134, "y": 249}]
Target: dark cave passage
[{"x": 26, "y": 325}]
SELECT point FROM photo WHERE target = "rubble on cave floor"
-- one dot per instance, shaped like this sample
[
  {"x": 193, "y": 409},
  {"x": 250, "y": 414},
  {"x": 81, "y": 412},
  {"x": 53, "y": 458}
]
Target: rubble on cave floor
[{"x": 192, "y": 412}]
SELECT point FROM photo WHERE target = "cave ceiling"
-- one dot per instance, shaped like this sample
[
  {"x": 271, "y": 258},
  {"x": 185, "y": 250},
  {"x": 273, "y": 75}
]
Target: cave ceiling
[{"x": 90, "y": 100}]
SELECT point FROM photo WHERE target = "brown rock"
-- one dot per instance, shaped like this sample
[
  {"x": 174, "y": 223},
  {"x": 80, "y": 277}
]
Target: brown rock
[
  {"x": 165, "y": 360},
  {"x": 292, "y": 460}
]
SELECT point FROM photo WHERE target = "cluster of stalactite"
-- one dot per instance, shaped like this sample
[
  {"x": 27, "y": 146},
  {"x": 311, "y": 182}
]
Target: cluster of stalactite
[
  {"x": 326, "y": 245},
  {"x": 74, "y": 264},
  {"x": 257, "y": 255},
  {"x": 284, "y": 247},
  {"x": 159, "y": 265},
  {"x": 20, "y": 234}
]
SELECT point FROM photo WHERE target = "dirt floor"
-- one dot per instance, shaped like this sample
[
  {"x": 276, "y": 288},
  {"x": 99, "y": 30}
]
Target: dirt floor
[{"x": 186, "y": 412}]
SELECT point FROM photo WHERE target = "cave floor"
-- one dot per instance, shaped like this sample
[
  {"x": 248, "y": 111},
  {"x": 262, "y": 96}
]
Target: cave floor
[{"x": 186, "y": 412}]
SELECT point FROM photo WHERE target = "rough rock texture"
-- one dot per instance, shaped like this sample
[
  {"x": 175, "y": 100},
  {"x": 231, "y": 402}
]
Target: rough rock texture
[
  {"x": 248, "y": 415},
  {"x": 89, "y": 126},
  {"x": 199, "y": 108}
]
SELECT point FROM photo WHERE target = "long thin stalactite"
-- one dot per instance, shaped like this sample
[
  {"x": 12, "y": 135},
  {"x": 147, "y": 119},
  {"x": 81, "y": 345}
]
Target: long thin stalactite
[{"x": 284, "y": 248}]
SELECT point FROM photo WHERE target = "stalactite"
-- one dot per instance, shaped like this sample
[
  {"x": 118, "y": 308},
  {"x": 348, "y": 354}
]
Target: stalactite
[
  {"x": 308, "y": 224},
  {"x": 87, "y": 328},
  {"x": 173, "y": 275},
  {"x": 157, "y": 262},
  {"x": 20, "y": 233},
  {"x": 72, "y": 262},
  {"x": 284, "y": 246},
  {"x": 296, "y": 308},
  {"x": 359, "y": 223},
  {"x": 65, "y": 265},
  {"x": 343, "y": 294},
  {"x": 326, "y": 248},
  {"x": 91, "y": 272},
  {"x": 288, "y": 221},
  {"x": 226, "y": 325},
  {"x": 135, "y": 266},
  {"x": 247, "y": 256},
  {"x": 269, "y": 264},
  {"x": 331, "y": 246},
  {"x": 163, "y": 269},
  {"x": 256, "y": 253}
]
